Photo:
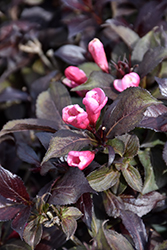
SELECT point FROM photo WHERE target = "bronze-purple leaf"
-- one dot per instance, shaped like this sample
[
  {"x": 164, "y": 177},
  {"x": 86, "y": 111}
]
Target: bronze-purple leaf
[{"x": 69, "y": 188}]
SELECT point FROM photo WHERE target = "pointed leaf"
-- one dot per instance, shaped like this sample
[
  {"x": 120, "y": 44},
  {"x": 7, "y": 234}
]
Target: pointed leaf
[
  {"x": 46, "y": 109},
  {"x": 132, "y": 177},
  {"x": 143, "y": 204},
  {"x": 116, "y": 241},
  {"x": 99, "y": 79},
  {"x": 69, "y": 226},
  {"x": 12, "y": 187},
  {"x": 85, "y": 205},
  {"x": 33, "y": 233},
  {"x": 135, "y": 227},
  {"x": 150, "y": 60},
  {"x": 65, "y": 141},
  {"x": 128, "y": 35},
  {"x": 155, "y": 117},
  {"x": 149, "y": 177},
  {"x": 71, "y": 212},
  {"x": 164, "y": 155},
  {"x": 69, "y": 188},
  {"x": 162, "y": 82},
  {"x": 27, "y": 154},
  {"x": 131, "y": 143},
  {"x": 59, "y": 95},
  {"x": 125, "y": 113},
  {"x": 21, "y": 220},
  {"x": 28, "y": 124},
  {"x": 103, "y": 178}
]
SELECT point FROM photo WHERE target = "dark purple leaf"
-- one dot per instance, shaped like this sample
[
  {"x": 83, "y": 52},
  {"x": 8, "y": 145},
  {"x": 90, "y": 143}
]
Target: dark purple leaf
[
  {"x": 164, "y": 155},
  {"x": 11, "y": 94},
  {"x": 21, "y": 219},
  {"x": 79, "y": 24},
  {"x": 155, "y": 118},
  {"x": 126, "y": 112},
  {"x": 69, "y": 188},
  {"x": 151, "y": 59},
  {"x": 33, "y": 233},
  {"x": 99, "y": 79},
  {"x": 149, "y": 16},
  {"x": 116, "y": 241},
  {"x": 41, "y": 84},
  {"x": 162, "y": 82},
  {"x": 46, "y": 109},
  {"x": 8, "y": 209},
  {"x": 28, "y": 124},
  {"x": 65, "y": 141},
  {"x": 127, "y": 34},
  {"x": 44, "y": 138},
  {"x": 71, "y": 54},
  {"x": 111, "y": 155},
  {"x": 85, "y": 205},
  {"x": 135, "y": 227},
  {"x": 143, "y": 204},
  {"x": 27, "y": 154},
  {"x": 12, "y": 187},
  {"x": 59, "y": 95}
]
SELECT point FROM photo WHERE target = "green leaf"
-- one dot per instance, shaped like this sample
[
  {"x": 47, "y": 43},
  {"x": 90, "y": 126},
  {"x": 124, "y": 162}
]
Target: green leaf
[
  {"x": 149, "y": 178},
  {"x": 115, "y": 240},
  {"x": 99, "y": 79},
  {"x": 118, "y": 146},
  {"x": 103, "y": 178},
  {"x": 132, "y": 177},
  {"x": 125, "y": 113},
  {"x": 65, "y": 141},
  {"x": 131, "y": 143},
  {"x": 88, "y": 67},
  {"x": 59, "y": 95},
  {"x": 69, "y": 226},
  {"x": 71, "y": 212},
  {"x": 33, "y": 233}
]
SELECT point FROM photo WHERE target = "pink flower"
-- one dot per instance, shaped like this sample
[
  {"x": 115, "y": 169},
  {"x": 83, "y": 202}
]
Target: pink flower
[
  {"x": 129, "y": 80},
  {"x": 74, "y": 76},
  {"x": 94, "y": 101},
  {"x": 80, "y": 159},
  {"x": 75, "y": 116},
  {"x": 96, "y": 49}
]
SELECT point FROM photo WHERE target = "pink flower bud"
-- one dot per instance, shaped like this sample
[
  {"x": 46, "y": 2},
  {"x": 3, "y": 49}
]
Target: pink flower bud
[
  {"x": 96, "y": 49},
  {"x": 94, "y": 101},
  {"x": 75, "y": 75},
  {"x": 129, "y": 80},
  {"x": 80, "y": 159},
  {"x": 75, "y": 116}
]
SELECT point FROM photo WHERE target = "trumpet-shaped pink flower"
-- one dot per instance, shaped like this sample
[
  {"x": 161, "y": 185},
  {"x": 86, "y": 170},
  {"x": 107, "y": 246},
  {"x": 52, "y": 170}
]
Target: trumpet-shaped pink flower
[
  {"x": 129, "y": 80},
  {"x": 80, "y": 159},
  {"x": 75, "y": 116},
  {"x": 94, "y": 101},
  {"x": 74, "y": 76},
  {"x": 96, "y": 49}
]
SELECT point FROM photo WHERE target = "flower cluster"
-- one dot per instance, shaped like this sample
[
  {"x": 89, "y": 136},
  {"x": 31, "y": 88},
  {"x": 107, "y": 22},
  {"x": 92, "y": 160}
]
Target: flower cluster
[
  {"x": 75, "y": 76},
  {"x": 74, "y": 115}
]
